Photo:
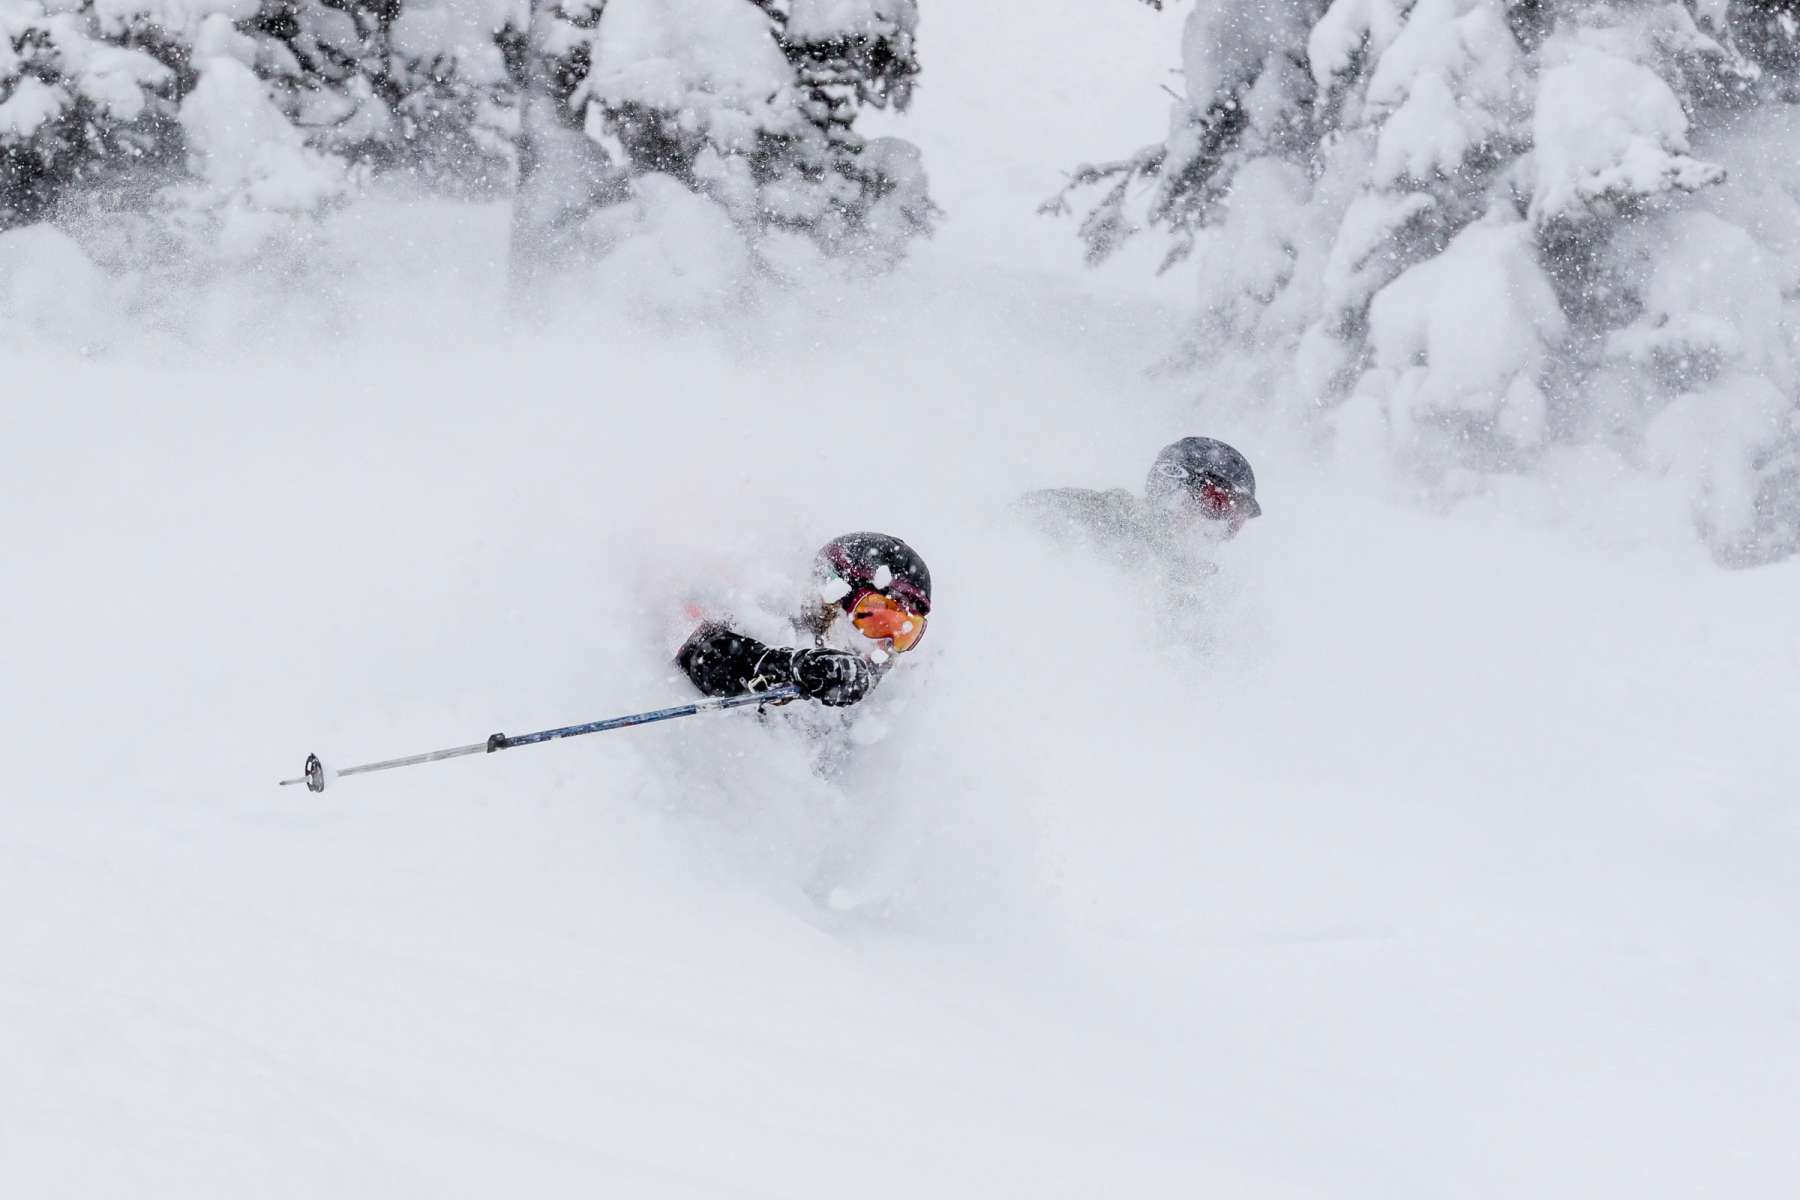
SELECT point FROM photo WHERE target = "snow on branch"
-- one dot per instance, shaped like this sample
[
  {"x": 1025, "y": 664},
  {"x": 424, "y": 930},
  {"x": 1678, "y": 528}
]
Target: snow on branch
[{"x": 1105, "y": 227}]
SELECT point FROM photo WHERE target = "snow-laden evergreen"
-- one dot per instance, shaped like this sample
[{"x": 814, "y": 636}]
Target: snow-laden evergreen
[
  {"x": 83, "y": 99},
  {"x": 1457, "y": 227},
  {"x": 420, "y": 85},
  {"x": 113, "y": 103},
  {"x": 752, "y": 105},
  {"x": 848, "y": 54},
  {"x": 251, "y": 169}
]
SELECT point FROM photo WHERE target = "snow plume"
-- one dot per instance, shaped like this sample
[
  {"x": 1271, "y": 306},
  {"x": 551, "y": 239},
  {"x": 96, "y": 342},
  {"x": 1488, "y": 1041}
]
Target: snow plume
[
  {"x": 1447, "y": 229},
  {"x": 1417, "y": 857}
]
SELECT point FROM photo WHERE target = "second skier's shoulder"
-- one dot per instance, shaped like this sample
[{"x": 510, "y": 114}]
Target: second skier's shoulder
[{"x": 1069, "y": 510}]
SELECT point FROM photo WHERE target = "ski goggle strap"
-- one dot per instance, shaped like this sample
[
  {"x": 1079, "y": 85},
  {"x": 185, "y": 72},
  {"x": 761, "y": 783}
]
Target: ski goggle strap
[{"x": 884, "y": 618}]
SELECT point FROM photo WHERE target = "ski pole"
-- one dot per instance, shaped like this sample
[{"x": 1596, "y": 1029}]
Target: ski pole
[{"x": 314, "y": 774}]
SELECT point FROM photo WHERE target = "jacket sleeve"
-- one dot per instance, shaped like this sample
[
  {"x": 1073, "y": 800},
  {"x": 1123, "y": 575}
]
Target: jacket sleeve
[{"x": 723, "y": 663}]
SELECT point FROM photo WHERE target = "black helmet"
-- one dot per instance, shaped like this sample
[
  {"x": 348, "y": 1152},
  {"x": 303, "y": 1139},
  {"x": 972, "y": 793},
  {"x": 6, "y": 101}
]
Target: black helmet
[
  {"x": 879, "y": 561},
  {"x": 1193, "y": 461}
]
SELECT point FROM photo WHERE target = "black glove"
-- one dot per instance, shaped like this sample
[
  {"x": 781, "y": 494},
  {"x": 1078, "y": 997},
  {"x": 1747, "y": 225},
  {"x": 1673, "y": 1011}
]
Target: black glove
[
  {"x": 833, "y": 677},
  {"x": 719, "y": 661}
]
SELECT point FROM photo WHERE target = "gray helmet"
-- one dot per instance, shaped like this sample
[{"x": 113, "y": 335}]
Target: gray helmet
[{"x": 1193, "y": 461}]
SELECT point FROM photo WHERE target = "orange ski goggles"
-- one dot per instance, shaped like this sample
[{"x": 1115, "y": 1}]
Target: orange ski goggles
[{"x": 883, "y": 618}]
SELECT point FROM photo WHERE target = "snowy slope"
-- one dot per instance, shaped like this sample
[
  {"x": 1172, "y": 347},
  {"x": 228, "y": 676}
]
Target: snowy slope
[{"x": 1441, "y": 856}]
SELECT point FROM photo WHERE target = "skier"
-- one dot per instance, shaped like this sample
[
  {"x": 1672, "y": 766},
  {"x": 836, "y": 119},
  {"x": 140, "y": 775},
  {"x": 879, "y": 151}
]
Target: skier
[
  {"x": 1199, "y": 490},
  {"x": 872, "y": 598}
]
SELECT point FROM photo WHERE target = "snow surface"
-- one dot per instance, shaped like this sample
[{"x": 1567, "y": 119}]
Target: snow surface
[{"x": 1430, "y": 856}]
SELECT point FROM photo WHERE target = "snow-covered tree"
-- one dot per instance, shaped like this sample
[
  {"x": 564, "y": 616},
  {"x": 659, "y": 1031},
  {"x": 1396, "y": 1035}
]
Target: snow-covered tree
[
  {"x": 251, "y": 171},
  {"x": 563, "y": 172},
  {"x": 751, "y": 104},
  {"x": 79, "y": 102},
  {"x": 419, "y": 85},
  {"x": 90, "y": 89},
  {"x": 839, "y": 186},
  {"x": 1458, "y": 229},
  {"x": 748, "y": 104}
]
